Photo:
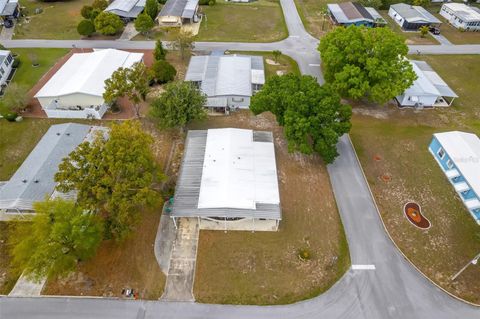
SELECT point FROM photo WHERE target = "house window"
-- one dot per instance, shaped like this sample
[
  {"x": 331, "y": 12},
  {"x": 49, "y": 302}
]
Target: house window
[
  {"x": 237, "y": 99},
  {"x": 2, "y": 71},
  {"x": 9, "y": 59},
  {"x": 441, "y": 153},
  {"x": 449, "y": 164}
]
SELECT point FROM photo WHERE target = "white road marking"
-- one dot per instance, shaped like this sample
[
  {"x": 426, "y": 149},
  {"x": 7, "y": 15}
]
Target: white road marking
[
  {"x": 313, "y": 64},
  {"x": 294, "y": 36},
  {"x": 363, "y": 267}
]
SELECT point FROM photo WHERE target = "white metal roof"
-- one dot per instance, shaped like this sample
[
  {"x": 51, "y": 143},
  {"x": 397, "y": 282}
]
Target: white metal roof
[
  {"x": 467, "y": 13},
  {"x": 414, "y": 14},
  {"x": 238, "y": 172},
  {"x": 428, "y": 82},
  {"x": 86, "y": 72},
  {"x": 126, "y": 8},
  {"x": 464, "y": 150},
  {"x": 226, "y": 74}
]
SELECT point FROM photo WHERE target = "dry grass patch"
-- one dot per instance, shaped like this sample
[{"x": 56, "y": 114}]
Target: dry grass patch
[
  {"x": 315, "y": 22},
  {"x": 265, "y": 267},
  {"x": 259, "y": 21},
  {"x": 392, "y": 142}
]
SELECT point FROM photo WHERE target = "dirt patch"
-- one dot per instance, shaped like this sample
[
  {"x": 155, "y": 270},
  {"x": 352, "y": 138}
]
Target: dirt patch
[
  {"x": 130, "y": 264},
  {"x": 264, "y": 267},
  {"x": 413, "y": 213}
]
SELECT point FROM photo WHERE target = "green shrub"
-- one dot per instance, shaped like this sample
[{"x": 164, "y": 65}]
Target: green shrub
[
  {"x": 86, "y": 12},
  {"x": 10, "y": 116},
  {"x": 108, "y": 23},
  {"x": 163, "y": 71},
  {"x": 16, "y": 63},
  {"x": 86, "y": 28},
  {"x": 159, "y": 53}
]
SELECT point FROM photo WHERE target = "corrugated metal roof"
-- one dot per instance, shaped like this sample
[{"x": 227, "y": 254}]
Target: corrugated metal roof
[
  {"x": 34, "y": 180},
  {"x": 86, "y": 72},
  {"x": 126, "y": 8},
  {"x": 226, "y": 74},
  {"x": 428, "y": 82},
  {"x": 464, "y": 150},
  {"x": 7, "y": 7},
  {"x": 414, "y": 13},
  {"x": 461, "y": 10},
  {"x": 349, "y": 12},
  {"x": 179, "y": 8},
  {"x": 216, "y": 185}
]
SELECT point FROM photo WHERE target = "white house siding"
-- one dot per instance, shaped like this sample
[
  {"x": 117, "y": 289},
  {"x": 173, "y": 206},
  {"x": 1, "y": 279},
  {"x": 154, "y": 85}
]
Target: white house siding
[
  {"x": 395, "y": 16},
  {"x": 170, "y": 20},
  {"x": 457, "y": 22},
  {"x": 247, "y": 224},
  {"x": 72, "y": 100},
  {"x": 80, "y": 114},
  {"x": 7, "y": 69},
  {"x": 425, "y": 100}
]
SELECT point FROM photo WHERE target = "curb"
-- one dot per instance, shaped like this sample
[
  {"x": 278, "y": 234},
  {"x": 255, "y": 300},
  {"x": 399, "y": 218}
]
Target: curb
[{"x": 393, "y": 241}]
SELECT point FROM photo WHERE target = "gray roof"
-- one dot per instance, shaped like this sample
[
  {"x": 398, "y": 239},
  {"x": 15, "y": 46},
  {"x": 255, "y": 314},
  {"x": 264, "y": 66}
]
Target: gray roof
[
  {"x": 7, "y": 7},
  {"x": 34, "y": 180},
  {"x": 222, "y": 75},
  {"x": 126, "y": 8},
  {"x": 179, "y": 8},
  {"x": 187, "y": 191},
  {"x": 414, "y": 14}
]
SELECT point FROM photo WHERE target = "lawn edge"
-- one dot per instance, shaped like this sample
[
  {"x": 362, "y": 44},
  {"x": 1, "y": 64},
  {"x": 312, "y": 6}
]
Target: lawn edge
[{"x": 393, "y": 241}]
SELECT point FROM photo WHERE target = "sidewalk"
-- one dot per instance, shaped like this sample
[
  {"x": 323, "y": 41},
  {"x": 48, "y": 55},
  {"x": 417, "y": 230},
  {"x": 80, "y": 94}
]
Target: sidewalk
[
  {"x": 27, "y": 288},
  {"x": 181, "y": 271},
  {"x": 129, "y": 32}
]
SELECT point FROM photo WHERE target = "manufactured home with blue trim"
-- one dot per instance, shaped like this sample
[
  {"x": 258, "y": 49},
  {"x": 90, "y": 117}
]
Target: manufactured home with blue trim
[
  {"x": 353, "y": 13},
  {"x": 458, "y": 155}
]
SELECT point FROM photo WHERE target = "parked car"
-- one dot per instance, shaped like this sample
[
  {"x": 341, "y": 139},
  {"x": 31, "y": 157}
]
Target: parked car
[
  {"x": 434, "y": 30},
  {"x": 8, "y": 23}
]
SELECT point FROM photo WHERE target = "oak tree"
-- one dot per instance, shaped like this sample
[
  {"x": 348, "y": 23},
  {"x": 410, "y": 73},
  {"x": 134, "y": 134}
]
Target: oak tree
[
  {"x": 60, "y": 235},
  {"x": 313, "y": 116},
  {"x": 114, "y": 175},
  {"x": 363, "y": 62},
  {"x": 181, "y": 103}
]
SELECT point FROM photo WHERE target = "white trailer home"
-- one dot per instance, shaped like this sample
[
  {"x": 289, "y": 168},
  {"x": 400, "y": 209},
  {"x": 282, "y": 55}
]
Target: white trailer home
[{"x": 76, "y": 89}]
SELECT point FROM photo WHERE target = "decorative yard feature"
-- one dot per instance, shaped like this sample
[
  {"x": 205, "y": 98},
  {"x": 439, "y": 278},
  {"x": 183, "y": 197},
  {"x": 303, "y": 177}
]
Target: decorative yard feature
[{"x": 414, "y": 214}]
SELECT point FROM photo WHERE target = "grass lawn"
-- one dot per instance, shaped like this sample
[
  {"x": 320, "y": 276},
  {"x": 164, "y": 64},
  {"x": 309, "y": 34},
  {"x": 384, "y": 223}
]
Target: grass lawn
[
  {"x": 393, "y": 145},
  {"x": 263, "y": 267},
  {"x": 310, "y": 12},
  {"x": 410, "y": 37},
  {"x": 58, "y": 20},
  {"x": 284, "y": 65},
  {"x": 131, "y": 264},
  {"x": 456, "y": 36},
  {"x": 8, "y": 276},
  {"x": 259, "y": 21},
  {"x": 27, "y": 74}
]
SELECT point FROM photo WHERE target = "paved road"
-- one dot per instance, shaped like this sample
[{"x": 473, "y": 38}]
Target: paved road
[{"x": 393, "y": 289}]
